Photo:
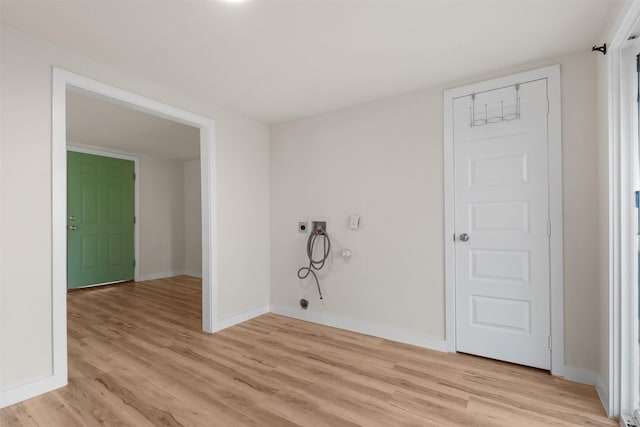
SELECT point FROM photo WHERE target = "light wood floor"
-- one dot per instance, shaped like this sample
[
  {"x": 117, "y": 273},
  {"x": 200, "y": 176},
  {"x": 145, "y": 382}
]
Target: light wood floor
[{"x": 137, "y": 357}]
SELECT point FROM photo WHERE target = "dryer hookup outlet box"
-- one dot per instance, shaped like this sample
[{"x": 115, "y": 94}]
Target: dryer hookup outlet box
[{"x": 322, "y": 225}]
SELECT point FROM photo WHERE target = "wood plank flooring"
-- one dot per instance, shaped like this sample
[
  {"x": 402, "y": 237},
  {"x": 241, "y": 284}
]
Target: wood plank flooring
[{"x": 137, "y": 357}]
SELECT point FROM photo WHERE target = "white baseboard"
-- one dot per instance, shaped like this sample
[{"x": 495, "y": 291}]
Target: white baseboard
[
  {"x": 603, "y": 393},
  {"x": 239, "y": 318},
  {"x": 579, "y": 375},
  {"x": 164, "y": 275},
  {"x": 362, "y": 327},
  {"x": 35, "y": 388},
  {"x": 192, "y": 273}
]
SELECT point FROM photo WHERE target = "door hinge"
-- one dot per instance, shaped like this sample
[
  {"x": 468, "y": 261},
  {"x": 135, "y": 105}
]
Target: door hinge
[
  {"x": 549, "y": 342},
  {"x": 454, "y": 237},
  {"x": 134, "y": 176},
  {"x": 638, "y": 72},
  {"x": 134, "y": 262},
  {"x": 548, "y": 107},
  {"x": 134, "y": 219},
  {"x": 548, "y": 228}
]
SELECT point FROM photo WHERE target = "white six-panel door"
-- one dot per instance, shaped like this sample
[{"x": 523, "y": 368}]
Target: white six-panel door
[{"x": 501, "y": 224}]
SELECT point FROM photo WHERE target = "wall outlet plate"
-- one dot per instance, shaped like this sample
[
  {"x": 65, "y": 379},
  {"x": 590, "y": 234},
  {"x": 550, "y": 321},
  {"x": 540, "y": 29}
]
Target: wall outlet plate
[{"x": 303, "y": 227}]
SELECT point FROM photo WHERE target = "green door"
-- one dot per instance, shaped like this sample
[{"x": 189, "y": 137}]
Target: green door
[{"x": 100, "y": 200}]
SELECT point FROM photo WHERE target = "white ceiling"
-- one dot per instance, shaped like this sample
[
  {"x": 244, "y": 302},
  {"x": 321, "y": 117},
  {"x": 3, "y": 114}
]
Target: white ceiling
[
  {"x": 278, "y": 60},
  {"x": 98, "y": 123}
]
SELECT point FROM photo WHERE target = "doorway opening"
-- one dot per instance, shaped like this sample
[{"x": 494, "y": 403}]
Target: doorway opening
[
  {"x": 133, "y": 193},
  {"x": 64, "y": 81}
]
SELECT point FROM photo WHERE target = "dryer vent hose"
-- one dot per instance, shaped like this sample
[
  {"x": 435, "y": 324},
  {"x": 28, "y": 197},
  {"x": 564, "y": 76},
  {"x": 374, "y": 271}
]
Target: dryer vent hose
[{"x": 316, "y": 264}]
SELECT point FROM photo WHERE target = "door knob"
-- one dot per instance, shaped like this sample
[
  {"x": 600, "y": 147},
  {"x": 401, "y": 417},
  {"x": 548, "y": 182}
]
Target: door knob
[
  {"x": 464, "y": 237},
  {"x": 72, "y": 228}
]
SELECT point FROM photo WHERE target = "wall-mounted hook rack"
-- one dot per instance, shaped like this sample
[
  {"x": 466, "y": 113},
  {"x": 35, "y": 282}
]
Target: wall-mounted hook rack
[{"x": 602, "y": 49}]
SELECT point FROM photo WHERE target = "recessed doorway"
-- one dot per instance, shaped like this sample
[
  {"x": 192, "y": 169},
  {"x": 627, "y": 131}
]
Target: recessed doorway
[
  {"x": 64, "y": 81},
  {"x": 133, "y": 194}
]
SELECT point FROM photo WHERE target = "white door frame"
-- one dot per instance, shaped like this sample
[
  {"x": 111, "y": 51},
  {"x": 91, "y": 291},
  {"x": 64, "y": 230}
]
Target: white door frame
[
  {"x": 552, "y": 74},
  {"x": 61, "y": 80},
  {"x": 136, "y": 194},
  {"x": 623, "y": 324}
]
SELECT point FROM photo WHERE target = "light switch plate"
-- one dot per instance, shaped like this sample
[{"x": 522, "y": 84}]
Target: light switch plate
[{"x": 354, "y": 222}]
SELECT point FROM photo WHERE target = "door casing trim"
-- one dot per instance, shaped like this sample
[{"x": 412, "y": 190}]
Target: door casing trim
[
  {"x": 136, "y": 194},
  {"x": 556, "y": 270},
  {"x": 61, "y": 81},
  {"x": 622, "y": 130}
]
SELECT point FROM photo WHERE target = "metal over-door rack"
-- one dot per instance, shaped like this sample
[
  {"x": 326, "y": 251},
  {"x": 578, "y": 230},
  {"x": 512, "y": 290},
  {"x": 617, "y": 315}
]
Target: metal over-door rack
[{"x": 473, "y": 121}]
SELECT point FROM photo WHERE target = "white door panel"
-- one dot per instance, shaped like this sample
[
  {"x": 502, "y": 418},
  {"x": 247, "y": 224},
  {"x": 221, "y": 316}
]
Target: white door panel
[
  {"x": 501, "y": 202},
  {"x": 506, "y": 216}
]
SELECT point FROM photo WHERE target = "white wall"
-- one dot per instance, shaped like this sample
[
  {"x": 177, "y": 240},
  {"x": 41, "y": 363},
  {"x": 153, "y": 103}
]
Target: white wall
[
  {"x": 192, "y": 219},
  {"x": 581, "y": 209},
  {"x": 384, "y": 161},
  {"x": 162, "y": 217},
  {"x": 170, "y": 223},
  {"x": 242, "y": 179}
]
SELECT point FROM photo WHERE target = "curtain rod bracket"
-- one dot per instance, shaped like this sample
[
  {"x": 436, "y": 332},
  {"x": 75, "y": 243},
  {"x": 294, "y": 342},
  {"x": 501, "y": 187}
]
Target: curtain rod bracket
[{"x": 602, "y": 49}]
